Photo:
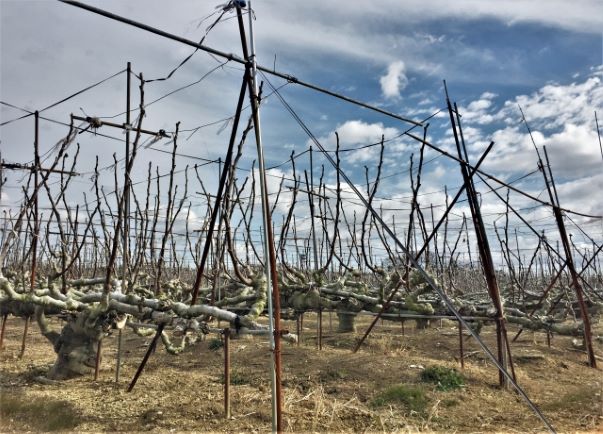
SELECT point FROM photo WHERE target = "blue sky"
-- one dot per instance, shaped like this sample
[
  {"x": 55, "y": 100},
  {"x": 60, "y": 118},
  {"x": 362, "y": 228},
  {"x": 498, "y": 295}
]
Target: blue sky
[{"x": 546, "y": 56}]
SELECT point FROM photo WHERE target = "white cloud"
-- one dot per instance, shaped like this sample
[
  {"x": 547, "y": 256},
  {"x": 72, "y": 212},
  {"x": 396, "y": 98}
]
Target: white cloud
[
  {"x": 394, "y": 81},
  {"x": 582, "y": 194},
  {"x": 561, "y": 117},
  {"x": 479, "y": 111},
  {"x": 355, "y": 133}
]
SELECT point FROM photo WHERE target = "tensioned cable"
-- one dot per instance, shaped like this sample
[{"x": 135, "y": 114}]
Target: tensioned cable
[
  {"x": 204, "y": 160},
  {"x": 194, "y": 51},
  {"x": 215, "y": 161},
  {"x": 79, "y": 92},
  {"x": 29, "y": 113},
  {"x": 235, "y": 58},
  {"x": 186, "y": 86},
  {"x": 581, "y": 230},
  {"x": 416, "y": 264},
  {"x": 287, "y": 77}
]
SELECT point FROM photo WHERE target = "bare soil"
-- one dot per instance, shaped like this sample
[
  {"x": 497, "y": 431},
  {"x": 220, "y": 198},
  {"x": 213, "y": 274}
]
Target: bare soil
[{"x": 332, "y": 390}]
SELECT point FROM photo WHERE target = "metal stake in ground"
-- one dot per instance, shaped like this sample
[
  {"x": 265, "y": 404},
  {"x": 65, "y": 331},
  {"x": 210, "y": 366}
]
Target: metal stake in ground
[
  {"x": 592, "y": 361},
  {"x": 98, "y": 359},
  {"x": 274, "y": 304},
  {"x": 4, "y": 317},
  {"x": 126, "y": 234},
  {"x": 36, "y": 227},
  {"x": 482, "y": 240},
  {"x": 226, "y": 333},
  {"x": 150, "y": 350}
]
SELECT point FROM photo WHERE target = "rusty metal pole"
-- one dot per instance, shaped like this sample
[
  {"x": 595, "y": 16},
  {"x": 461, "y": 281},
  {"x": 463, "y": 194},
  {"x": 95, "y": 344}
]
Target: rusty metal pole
[
  {"x": 118, "y": 361},
  {"x": 98, "y": 359},
  {"x": 219, "y": 194},
  {"x": 298, "y": 329},
  {"x": 274, "y": 304},
  {"x": 126, "y": 240},
  {"x": 146, "y": 356},
  {"x": 320, "y": 328},
  {"x": 25, "y": 328},
  {"x": 127, "y": 181},
  {"x": 461, "y": 352},
  {"x": 315, "y": 248},
  {"x": 34, "y": 250},
  {"x": 227, "y": 373},
  {"x": 482, "y": 240},
  {"x": 592, "y": 361},
  {"x": 4, "y": 318}
]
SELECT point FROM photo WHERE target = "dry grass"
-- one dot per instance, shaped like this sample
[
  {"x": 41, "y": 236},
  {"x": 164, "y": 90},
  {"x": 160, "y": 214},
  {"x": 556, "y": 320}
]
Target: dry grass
[{"x": 332, "y": 390}]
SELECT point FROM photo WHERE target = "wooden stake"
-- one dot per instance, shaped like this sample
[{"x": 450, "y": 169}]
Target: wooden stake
[
  {"x": 461, "y": 352},
  {"x": 227, "y": 373},
  {"x": 98, "y": 359},
  {"x": 4, "y": 317},
  {"x": 24, "y": 337}
]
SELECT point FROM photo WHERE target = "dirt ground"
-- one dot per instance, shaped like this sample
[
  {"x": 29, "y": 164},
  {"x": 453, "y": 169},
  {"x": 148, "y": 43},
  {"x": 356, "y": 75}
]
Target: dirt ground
[{"x": 332, "y": 390}]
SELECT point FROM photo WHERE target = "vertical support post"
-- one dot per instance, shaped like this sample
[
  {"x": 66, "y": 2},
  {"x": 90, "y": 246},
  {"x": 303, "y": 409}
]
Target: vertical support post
[
  {"x": 4, "y": 317},
  {"x": 34, "y": 251},
  {"x": 274, "y": 304},
  {"x": 482, "y": 241},
  {"x": 127, "y": 181},
  {"x": 118, "y": 364},
  {"x": 25, "y": 328},
  {"x": 126, "y": 234},
  {"x": 217, "y": 249},
  {"x": 320, "y": 328},
  {"x": 461, "y": 352},
  {"x": 227, "y": 373},
  {"x": 298, "y": 329},
  {"x": 310, "y": 188},
  {"x": 592, "y": 361},
  {"x": 315, "y": 248},
  {"x": 98, "y": 359}
]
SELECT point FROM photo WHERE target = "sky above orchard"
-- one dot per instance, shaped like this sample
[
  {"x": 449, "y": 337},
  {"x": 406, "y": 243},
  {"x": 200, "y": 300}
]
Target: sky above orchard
[{"x": 543, "y": 56}]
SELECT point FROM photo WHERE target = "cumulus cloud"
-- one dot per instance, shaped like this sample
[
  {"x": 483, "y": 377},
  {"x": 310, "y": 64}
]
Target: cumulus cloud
[
  {"x": 555, "y": 105},
  {"x": 358, "y": 133},
  {"x": 394, "y": 81},
  {"x": 561, "y": 117},
  {"x": 479, "y": 111}
]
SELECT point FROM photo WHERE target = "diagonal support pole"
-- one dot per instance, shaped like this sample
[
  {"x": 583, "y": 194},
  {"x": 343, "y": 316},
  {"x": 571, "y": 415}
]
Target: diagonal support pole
[
  {"x": 146, "y": 357},
  {"x": 482, "y": 241},
  {"x": 418, "y": 255},
  {"x": 216, "y": 208},
  {"x": 550, "y": 183}
]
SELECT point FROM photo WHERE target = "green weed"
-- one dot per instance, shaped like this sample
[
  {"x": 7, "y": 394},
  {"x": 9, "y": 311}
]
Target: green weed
[
  {"x": 412, "y": 397},
  {"x": 215, "y": 344},
  {"x": 445, "y": 378}
]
